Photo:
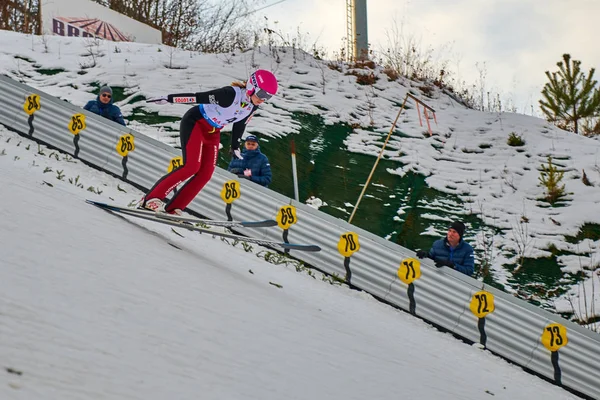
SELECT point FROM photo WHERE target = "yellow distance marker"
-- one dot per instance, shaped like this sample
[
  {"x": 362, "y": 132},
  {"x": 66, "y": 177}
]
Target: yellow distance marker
[
  {"x": 77, "y": 124},
  {"x": 348, "y": 244},
  {"x": 410, "y": 270},
  {"x": 32, "y": 104},
  {"x": 125, "y": 144},
  {"x": 286, "y": 217},
  {"x": 482, "y": 304},
  {"x": 554, "y": 337},
  {"x": 175, "y": 163},
  {"x": 230, "y": 191}
]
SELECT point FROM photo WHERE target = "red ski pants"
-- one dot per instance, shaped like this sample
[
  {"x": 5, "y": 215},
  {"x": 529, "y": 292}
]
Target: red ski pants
[{"x": 200, "y": 146}]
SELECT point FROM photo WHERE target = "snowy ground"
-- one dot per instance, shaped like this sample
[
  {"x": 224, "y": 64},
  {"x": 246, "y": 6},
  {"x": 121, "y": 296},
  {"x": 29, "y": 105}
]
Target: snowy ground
[
  {"x": 94, "y": 306},
  {"x": 466, "y": 153}
]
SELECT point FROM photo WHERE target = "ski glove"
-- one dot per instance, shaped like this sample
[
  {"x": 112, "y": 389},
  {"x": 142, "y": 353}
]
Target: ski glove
[
  {"x": 242, "y": 176},
  {"x": 158, "y": 100},
  {"x": 444, "y": 263},
  {"x": 421, "y": 254},
  {"x": 237, "y": 154}
]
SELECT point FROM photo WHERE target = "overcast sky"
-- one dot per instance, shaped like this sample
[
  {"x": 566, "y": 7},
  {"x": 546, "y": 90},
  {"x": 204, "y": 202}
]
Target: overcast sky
[{"x": 517, "y": 39}]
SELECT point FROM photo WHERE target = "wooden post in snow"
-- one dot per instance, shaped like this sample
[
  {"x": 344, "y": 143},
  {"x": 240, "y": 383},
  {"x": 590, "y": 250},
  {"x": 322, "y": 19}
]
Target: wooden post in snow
[{"x": 419, "y": 103}]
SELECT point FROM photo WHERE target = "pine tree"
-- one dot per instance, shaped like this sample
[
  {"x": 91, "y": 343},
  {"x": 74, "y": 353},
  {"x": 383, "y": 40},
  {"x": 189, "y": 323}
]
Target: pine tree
[
  {"x": 570, "y": 95},
  {"x": 551, "y": 178}
]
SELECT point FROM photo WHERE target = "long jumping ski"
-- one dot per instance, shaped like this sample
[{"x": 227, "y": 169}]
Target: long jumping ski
[
  {"x": 171, "y": 217},
  {"x": 152, "y": 216}
]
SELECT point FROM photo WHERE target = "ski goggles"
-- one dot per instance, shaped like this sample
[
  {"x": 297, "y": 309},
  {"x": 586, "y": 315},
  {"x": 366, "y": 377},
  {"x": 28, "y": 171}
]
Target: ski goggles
[{"x": 262, "y": 94}]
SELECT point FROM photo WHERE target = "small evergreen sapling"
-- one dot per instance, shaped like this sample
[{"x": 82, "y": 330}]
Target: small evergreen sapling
[
  {"x": 551, "y": 178},
  {"x": 515, "y": 140}
]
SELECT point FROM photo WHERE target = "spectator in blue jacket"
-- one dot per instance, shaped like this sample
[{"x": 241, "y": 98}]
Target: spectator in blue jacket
[
  {"x": 452, "y": 251},
  {"x": 103, "y": 105},
  {"x": 253, "y": 165}
]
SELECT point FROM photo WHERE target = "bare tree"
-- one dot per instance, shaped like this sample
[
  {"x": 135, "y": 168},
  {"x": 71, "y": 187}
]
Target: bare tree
[
  {"x": 583, "y": 305},
  {"x": 179, "y": 22},
  {"x": 20, "y": 16},
  {"x": 224, "y": 26},
  {"x": 202, "y": 25},
  {"x": 523, "y": 241},
  {"x": 406, "y": 55}
]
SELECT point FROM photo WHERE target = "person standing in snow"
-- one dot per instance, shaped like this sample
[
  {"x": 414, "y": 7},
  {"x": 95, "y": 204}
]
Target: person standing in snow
[
  {"x": 253, "y": 165},
  {"x": 199, "y": 133},
  {"x": 103, "y": 105},
  {"x": 452, "y": 251}
]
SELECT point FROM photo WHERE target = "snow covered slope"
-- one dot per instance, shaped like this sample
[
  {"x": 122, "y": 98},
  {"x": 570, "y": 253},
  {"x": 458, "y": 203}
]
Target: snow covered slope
[{"x": 94, "y": 306}]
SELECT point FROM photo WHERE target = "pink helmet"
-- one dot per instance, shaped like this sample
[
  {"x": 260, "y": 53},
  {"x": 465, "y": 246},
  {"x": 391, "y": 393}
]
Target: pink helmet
[{"x": 263, "y": 84}]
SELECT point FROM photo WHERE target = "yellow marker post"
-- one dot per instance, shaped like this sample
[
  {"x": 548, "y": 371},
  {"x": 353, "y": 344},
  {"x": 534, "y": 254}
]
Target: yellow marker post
[
  {"x": 125, "y": 144},
  {"x": 32, "y": 104},
  {"x": 347, "y": 246},
  {"x": 408, "y": 272},
  {"x": 231, "y": 191},
  {"x": 482, "y": 304},
  {"x": 77, "y": 124},
  {"x": 553, "y": 338},
  {"x": 286, "y": 217},
  {"x": 175, "y": 163}
]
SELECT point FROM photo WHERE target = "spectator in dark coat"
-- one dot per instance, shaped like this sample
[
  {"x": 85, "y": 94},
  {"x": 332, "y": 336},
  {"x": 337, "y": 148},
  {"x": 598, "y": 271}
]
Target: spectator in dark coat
[
  {"x": 103, "y": 105},
  {"x": 254, "y": 165},
  {"x": 452, "y": 251}
]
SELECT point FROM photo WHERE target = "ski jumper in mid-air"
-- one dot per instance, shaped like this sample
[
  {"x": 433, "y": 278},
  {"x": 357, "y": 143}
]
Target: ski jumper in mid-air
[{"x": 199, "y": 133}]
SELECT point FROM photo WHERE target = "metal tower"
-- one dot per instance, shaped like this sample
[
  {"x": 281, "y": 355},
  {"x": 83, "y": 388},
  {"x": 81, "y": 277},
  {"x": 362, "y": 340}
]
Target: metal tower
[
  {"x": 349, "y": 30},
  {"x": 357, "y": 39}
]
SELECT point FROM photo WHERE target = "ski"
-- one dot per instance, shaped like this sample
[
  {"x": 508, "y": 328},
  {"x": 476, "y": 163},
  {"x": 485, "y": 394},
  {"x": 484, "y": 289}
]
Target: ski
[
  {"x": 152, "y": 216},
  {"x": 172, "y": 217}
]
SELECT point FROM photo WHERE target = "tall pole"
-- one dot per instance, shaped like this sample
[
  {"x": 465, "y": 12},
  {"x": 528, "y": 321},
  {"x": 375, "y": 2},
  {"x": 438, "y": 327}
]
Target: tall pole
[
  {"x": 294, "y": 171},
  {"x": 350, "y": 38},
  {"x": 361, "y": 37},
  {"x": 377, "y": 161}
]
